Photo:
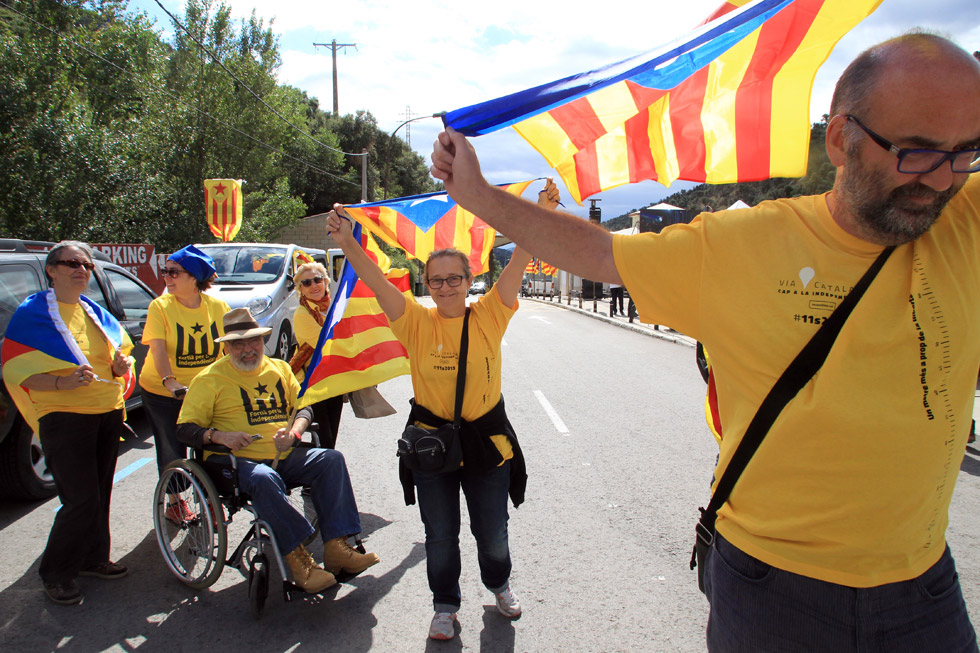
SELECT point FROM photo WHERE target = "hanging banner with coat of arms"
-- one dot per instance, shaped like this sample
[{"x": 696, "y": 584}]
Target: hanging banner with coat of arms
[{"x": 223, "y": 206}]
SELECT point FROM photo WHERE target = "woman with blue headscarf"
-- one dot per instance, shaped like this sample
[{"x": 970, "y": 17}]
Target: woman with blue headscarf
[{"x": 181, "y": 329}]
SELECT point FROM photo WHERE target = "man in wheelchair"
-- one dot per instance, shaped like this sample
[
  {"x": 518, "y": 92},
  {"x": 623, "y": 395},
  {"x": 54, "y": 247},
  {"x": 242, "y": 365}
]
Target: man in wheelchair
[{"x": 242, "y": 402}]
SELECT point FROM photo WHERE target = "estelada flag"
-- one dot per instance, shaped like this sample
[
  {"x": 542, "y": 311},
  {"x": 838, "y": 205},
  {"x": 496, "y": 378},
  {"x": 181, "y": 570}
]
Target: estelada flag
[
  {"x": 728, "y": 102},
  {"x": 37, "y": 341},
  {"x": 421, "y": 224},
  {"x": 223, "y": 207},
  {"x": 356, "y": 348}
]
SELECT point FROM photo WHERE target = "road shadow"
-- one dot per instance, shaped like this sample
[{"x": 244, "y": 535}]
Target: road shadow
[
  {"x": 971, "y": 461},
  {"x": 153, "y": 611}
]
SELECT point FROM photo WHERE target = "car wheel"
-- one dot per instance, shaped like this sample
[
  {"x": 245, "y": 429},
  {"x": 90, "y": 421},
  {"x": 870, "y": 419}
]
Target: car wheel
[
  {"x": 23, "y": 468},
  {"x": 284, "y": 342}
]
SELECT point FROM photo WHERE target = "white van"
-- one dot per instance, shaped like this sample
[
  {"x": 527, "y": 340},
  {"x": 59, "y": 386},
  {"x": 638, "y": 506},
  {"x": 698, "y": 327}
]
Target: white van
[{"x": 259, "y": 276}]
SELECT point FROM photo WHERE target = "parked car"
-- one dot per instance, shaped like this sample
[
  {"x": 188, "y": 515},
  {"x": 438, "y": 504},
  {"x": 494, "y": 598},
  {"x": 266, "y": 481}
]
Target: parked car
[
  {"x": 259, "y": 276},
  {"x": 478, "y": 288},
  {"x": 23, "y": 470}
]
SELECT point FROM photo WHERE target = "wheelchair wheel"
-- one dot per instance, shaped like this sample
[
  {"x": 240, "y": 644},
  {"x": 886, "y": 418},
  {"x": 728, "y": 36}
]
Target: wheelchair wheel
[
  {"x": 194, "y": 549},
  {"x": 303, "y": 503},
  {"x": 258, "y": 584}
]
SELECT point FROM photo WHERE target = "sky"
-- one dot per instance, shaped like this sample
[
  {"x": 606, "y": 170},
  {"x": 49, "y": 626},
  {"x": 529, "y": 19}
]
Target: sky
[{"x": 417, "y": 58}]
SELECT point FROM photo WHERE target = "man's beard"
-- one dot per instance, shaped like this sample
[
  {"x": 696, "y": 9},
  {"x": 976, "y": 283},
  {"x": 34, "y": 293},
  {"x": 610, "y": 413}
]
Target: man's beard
[
  {"x": 243, "y": 366},
  {"x": 892, "y": 218}
]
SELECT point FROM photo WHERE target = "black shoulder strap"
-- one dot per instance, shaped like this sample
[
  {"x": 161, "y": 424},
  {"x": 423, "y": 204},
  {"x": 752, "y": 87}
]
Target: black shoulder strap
[
  {"x": 464, "y": 345},
  {"x": 797, "y": 375}
]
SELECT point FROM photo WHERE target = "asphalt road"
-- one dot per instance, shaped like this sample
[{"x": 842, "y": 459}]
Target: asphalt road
[{"x": 619, "y": 457}]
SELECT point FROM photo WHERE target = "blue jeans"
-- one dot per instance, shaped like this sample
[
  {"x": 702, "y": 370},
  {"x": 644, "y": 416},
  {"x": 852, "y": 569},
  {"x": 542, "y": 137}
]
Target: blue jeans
[
  {"x": 486, "y": 500},
  {"x": 325, "y": 471},
  {"x": 756, "y": 607}
]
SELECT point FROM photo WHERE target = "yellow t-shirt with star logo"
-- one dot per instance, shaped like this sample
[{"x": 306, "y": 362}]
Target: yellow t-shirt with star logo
[
  {"x": 189, "y": 335},
  {"x": 224, "y": 398}
]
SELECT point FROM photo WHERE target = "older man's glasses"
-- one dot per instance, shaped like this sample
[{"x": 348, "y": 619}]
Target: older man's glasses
[
  {"x": 453, "y": 280},
  {"x": 74, "y": 264},
  {"x": 309, "y": 282},
  {"x": 915, "y": 161}
]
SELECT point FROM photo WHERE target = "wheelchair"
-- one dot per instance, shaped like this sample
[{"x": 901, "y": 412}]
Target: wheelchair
[{"x": 196, "y": 551}]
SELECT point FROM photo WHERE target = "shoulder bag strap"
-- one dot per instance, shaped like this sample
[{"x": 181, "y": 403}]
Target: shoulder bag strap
[
  {"x": 464, "y": 344},
  {"x": 797, "y": 375}
]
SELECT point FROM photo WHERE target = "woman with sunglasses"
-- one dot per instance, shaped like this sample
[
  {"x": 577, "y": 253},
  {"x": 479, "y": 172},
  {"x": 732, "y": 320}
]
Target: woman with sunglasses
[
  {"x": 68, "y": 352},
  {"x": 314, "y": 300},
  {"x": 181, "y": 329},
  {"x": 493, "y": 466}
]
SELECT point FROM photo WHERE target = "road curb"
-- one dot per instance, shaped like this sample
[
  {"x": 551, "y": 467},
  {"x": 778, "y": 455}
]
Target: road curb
[{"x": 638, "y": 327}]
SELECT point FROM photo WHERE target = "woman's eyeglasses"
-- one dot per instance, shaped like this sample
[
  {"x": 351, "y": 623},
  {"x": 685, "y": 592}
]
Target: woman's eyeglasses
[
  {"x": 74, "y": 264},
  {"x": 309, "y": 282},
  {"x": 453, "y": 280},
  {"x": 173, "y": 273}
]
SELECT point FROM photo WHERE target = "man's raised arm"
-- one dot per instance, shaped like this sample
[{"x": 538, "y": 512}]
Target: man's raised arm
[{"x": 567, "y": 242}]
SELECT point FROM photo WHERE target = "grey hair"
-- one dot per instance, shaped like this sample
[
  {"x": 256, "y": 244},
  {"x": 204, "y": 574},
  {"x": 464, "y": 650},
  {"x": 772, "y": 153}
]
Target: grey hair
[
  {"x": 53, "y": 256},
  {"x": 449, "y": 252}
]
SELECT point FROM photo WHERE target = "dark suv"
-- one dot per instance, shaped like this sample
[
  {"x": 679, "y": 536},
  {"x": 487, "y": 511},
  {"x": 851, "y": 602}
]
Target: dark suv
[{"x": 23, "y": 471}]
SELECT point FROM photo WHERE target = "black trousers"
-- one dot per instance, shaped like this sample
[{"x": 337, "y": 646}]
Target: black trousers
[
  {"x": 327, "y": 414},
  {"x": 616, "y": 294},
  {"x": 81, "y": 453}
]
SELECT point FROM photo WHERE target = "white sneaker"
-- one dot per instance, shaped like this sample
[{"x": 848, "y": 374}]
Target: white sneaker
[
  {"x": 508, "y": 604},
  {"x": 442, "y": 626}
]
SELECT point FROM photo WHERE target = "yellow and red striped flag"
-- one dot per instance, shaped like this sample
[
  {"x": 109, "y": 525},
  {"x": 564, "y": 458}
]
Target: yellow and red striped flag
[
  {"x": 357, "y": 348},
  {"x": 421, "y": 224},
  {"x": 729, "y": 102},
  {"x": 223, "y": 207}
]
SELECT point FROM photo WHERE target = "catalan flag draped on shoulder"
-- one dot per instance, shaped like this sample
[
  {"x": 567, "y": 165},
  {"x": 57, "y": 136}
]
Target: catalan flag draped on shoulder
[
  {"x": 37, "y": 342},
  {"x": 421, "y": 224},
  {"x": 729, "y": 102},
  {"x": 356, "y": 348}
]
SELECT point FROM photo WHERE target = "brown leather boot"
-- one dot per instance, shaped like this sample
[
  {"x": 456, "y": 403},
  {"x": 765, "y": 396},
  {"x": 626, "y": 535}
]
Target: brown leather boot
[
  {"x": 338, "y": 555},
  {"x": 306, "y": 573}
]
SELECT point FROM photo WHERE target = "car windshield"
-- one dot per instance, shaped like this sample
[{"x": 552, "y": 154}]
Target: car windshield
[{"x": 247, "y": 263}]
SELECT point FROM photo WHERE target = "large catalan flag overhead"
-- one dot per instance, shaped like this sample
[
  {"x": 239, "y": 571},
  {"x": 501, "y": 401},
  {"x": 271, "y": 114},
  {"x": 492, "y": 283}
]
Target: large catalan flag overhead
[
  {"x": 356, "y": 348},
  {"x": 728, "y": 102},
  {"x": 421, "y": 224},
  {"x": 37, "y": 341}
]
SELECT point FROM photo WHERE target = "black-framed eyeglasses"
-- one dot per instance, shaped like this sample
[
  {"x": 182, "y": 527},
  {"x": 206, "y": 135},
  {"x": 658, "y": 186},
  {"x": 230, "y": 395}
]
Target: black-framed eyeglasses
[
  {"x": 309, "y": 282},
  {"x": 173, "y": 273},
  {"x": 74, "y": 264},
  {"x": 453, "y": 280},
  {"x": 916, "y": 161}
]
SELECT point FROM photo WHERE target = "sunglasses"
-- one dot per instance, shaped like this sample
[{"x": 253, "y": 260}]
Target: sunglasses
[
  {"x": 74, "y": 264},
  {"x": 173, "y": 273},
  {"x": 309, "y": 282}
]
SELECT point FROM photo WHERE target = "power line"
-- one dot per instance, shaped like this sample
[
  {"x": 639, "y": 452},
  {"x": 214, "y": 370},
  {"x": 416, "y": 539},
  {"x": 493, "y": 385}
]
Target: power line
[
  {"x": 218, "y": 61},
  {"x": 179, "y": 100}
]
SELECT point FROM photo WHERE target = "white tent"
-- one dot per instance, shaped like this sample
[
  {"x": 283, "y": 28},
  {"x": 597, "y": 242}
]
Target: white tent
[
  {"x": 663, "y": 206},
  {"x": 739, "y": 204}
]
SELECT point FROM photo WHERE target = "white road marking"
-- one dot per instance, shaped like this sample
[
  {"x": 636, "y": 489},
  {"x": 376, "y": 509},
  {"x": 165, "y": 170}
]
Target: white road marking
[
  {"x": 538, "y": 317},
  {"x": 560, "y": 425}
]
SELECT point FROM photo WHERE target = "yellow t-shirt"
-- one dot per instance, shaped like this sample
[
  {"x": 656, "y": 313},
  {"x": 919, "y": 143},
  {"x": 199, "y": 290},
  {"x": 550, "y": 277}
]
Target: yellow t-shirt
[
  {"x": 189, "y": 335},
  {"x": 307, "y": 333},
  {"x": 433, "y": 342},
  {"x": 227, "y": 399},
  {"x": 853, "y": 482},
  {"x": 95, "y": 398}
]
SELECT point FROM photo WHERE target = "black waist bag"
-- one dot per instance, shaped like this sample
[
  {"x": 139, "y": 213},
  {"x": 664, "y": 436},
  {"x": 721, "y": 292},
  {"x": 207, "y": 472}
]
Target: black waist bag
[{"x": 439, "y": 451}]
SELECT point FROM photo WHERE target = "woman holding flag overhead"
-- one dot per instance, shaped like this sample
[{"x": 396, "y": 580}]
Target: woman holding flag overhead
[
  {"x": 62, "y": 356},
  {"x": 493, "y": 466},
  {"x": 314, "y": 300}
]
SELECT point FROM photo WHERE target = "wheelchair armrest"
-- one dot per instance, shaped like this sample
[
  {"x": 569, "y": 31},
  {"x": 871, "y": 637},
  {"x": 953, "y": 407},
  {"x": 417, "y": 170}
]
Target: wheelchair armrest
[{"x": 314, "y": 442}]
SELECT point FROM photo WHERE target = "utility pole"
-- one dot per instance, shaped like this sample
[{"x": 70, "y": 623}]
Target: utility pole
[
  {"x": 408, "y": 116},
  {"x": 334, "y": 46}
]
